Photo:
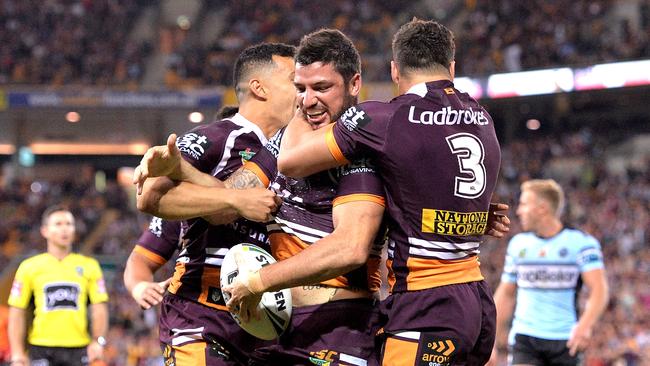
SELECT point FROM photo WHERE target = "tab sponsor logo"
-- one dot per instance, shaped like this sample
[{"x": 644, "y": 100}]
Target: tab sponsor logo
[
  {"x": 445, "y": 222},
  {"x": 447, "y": 117}
]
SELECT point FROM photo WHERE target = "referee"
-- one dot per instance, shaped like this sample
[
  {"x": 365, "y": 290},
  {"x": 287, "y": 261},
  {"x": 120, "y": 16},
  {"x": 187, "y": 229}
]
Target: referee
[{"x": 60, "y": 284}]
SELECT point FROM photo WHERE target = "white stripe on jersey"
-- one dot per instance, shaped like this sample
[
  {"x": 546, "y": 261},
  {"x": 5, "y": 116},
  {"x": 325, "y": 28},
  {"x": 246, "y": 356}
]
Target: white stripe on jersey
[
  {"x": 430, "y": 244},
  {"x": 214, "y": 261},
  {"x": 440, "y": 255},
  {"x": 216, "y": 251},
  {"x": 343, "y": 357},
  {"x": 408, "y": 335},
  {"x": 302, "y": 228},
  {"x": 181, "y": 336},
  {"x": 246, "y": 127}
]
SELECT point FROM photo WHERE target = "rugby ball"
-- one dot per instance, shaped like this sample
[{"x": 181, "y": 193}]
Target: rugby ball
[{"x": 274, "y": 308}]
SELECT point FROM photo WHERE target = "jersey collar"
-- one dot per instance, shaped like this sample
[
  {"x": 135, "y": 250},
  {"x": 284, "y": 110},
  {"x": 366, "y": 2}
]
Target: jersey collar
[{"x": 240, "y": 120}]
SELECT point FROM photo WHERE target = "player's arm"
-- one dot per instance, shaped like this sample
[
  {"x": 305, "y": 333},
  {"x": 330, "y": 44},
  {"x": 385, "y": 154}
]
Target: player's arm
[
  {"x": 17, "y": 329},
  {"x": 305, "y": 151},
  {"x": 596, "y": 282},
  {"x": 139, "y": 280},
  {"x": 165, "y": 198},
  {"x": 504, "y": 300},
  {"x": 346, "y": 248}
]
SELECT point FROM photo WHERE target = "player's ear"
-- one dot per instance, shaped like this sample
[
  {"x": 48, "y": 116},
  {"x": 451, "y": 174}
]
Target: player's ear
[
  {"x": 354, "y": 86},
  {"x": 257, "y": 89},
  {"x": 394, "y": 72}
]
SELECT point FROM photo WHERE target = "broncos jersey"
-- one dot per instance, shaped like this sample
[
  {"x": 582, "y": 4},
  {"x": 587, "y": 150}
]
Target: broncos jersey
[
  {"x": 547, "y": 272},
  {"x": 219, "y": 149},
  {"x": 305, "y": 215},
  {"x": 159, "y": 242},
  {"x": 438, "y": 156}
]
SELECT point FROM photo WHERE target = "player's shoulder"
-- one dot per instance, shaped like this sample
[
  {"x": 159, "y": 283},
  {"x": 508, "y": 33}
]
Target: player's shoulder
[
  {"x": 581, "y": 238},
  {"x": 521, "y": 239},
  {"x": 35, "y": 260},
  {"x": 84, "y": 260}
]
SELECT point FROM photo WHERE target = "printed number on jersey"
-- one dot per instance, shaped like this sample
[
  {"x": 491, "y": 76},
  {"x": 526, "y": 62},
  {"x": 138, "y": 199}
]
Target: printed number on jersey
[{"x": 470, "y": 153}]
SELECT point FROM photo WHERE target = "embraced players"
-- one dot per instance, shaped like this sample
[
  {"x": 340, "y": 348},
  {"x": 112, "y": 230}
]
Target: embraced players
[
  {"x": 436, "y": 151},
  {"x": 196, "y": 328},
  {"x": 545, "y": 267}
]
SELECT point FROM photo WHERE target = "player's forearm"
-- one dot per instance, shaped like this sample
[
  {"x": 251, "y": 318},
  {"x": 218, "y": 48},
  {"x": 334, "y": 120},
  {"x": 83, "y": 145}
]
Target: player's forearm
[
  {"x": 181, "y": 200},
  {"x": 347, "y": 248},
  {"x": 504, "y": 300},
  {"x": 99, "y": 320},
  {"x": 188, "y": 173},
  {"x": 17, "y": 329},
  {"x": 137, "y": 270},
  {"x": 304, "y": 151},
  {"x": 596, "y": 303}
]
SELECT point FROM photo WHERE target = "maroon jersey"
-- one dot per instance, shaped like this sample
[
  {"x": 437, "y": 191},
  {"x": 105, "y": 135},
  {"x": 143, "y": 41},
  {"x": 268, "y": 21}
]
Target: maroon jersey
[
  {"x": 305, "y": 215},
  {"x": 438, "y": 156},
  {"x": 218, "y": 149},
  {"x": 159, "y": 242}
]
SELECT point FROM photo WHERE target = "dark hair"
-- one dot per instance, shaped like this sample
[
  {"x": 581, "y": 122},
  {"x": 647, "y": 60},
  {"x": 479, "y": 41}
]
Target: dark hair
[
  {"x": 257, "y": 56},
  {"x": 421, "y": 44},
  {"x": 330, "y": 46},
  {"x": 226, "y": 111},
  {"x": 50, "y": 210}
]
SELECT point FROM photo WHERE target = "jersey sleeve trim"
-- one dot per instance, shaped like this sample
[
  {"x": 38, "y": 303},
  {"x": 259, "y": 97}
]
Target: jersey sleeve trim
[
  {"x": 359, "y": 197},
  {"x": 249, "y": 165},
  {"x": 149, "y": 254},
  {"x": 333, "y": 147}
]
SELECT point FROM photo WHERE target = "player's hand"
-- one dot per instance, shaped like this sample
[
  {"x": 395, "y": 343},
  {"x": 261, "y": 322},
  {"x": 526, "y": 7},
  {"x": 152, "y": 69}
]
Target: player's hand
[
  {"x": 243, "y": 302},
  {"x": 580, "y": 338},
  {"x": 498, "y": 223},
  {"x": 148, "y": 294},
  {"x": 158, "y": 161},
  {"x": 256, "y": 204}
]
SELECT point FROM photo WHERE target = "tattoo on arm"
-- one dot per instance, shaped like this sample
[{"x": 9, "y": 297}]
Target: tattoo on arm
[{"x": 242, "y": 179}]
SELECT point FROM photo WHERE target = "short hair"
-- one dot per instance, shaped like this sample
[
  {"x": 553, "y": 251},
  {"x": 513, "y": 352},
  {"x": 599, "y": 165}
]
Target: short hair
[
  {"x": 548, "y": 190},
  {"x": 330, "y": 46},
  {"x": 423, "y": 45},
  {"x": 257, "y": 56},
  {"x": 50, "y": 210},
  {"x": 226, "y": 111}
]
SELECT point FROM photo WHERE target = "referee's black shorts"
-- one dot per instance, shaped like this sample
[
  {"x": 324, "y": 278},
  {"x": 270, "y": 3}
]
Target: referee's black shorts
[{"x": 58, "y": 356}]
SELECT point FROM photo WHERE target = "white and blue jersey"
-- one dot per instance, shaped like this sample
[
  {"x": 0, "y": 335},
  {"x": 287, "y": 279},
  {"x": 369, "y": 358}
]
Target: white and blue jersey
[{"x": 547, "y": 272}]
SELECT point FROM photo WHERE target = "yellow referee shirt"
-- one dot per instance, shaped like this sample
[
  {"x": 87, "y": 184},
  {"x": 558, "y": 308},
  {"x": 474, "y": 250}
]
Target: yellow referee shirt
[{"x": 61, "y": 291}]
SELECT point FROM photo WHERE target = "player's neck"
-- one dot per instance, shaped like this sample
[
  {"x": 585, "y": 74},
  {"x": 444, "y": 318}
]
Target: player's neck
[
  {"x": 260, "y": 116},
  {"x": 406, "y": 83},
  {"x": 549, "y": 228},
  {"x": 58, "y": 251}
]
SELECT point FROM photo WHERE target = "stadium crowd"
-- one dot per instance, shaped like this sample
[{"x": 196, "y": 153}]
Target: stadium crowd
[
  {"x": 43, "y": 43},
  {"x": 614, "y": 208}
]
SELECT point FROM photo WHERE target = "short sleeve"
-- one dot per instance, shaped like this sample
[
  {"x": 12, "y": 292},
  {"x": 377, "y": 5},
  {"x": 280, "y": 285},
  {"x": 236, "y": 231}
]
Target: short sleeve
[
  {"x": 359, "y": 181},
  {"x": 361, "y": 130},
  {"x": 21, "y": 289},
  {"x": 96, "y": 286},
  {"x": 590, "y": 256},
  {"x": 160, "y": 241},
  {"x": 202, "y": 147}
]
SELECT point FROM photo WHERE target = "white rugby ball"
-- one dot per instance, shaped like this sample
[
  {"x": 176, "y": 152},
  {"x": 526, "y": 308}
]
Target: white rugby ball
[{"x": 274, "y": 308}]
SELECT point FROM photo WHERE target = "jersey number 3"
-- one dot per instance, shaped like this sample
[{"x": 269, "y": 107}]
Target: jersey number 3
[{"x": 470, "y": 153}]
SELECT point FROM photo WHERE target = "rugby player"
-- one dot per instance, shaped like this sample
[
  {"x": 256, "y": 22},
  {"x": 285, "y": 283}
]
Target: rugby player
[
  {"x": 438, "y": 156},
  {"x": 544, "y": 269},
  {"x": 196, "y": 328}
]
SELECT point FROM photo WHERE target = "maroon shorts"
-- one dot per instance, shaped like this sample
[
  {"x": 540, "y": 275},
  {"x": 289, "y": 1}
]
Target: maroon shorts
[
  {"x": 447, "y": 325},
  {"x": 339, "y": 332},
  {"x": 194, "y": 334}
]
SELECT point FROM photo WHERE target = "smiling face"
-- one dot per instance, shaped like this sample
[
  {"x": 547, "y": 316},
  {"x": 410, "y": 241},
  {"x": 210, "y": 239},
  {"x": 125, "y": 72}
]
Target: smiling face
[{"x": 323, "y": 94}]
